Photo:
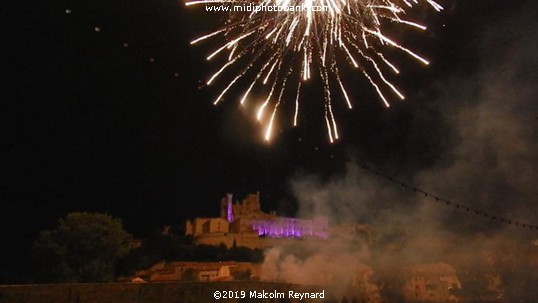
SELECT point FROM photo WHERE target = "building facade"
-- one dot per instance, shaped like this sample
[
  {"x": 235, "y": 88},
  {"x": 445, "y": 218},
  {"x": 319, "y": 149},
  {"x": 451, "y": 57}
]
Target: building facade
[
  {"x": 246, "y": 224},
  {"x": 431, "y": 282}
]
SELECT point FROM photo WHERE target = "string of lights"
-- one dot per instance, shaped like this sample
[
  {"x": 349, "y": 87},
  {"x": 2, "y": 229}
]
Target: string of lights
[{"x": 447, "y": 202}]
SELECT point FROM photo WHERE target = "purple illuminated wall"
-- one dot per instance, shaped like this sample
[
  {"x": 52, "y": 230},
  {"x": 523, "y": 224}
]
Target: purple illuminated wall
[{"x": 287, "y": 228}]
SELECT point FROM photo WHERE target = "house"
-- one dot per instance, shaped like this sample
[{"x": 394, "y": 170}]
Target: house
[
  {"x": 431, "y": 282},
  {"x": 195, "y": 271}
]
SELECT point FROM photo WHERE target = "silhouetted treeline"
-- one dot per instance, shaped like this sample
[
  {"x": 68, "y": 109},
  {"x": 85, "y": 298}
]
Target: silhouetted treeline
[{"x": 182, "y": 248}]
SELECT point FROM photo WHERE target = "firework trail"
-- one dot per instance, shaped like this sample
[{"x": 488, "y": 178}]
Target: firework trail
[{"x": 296, "y": 36}]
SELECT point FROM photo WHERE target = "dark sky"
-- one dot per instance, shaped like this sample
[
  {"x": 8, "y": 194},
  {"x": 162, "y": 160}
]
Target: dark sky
[{"x": 115, "y": 120}]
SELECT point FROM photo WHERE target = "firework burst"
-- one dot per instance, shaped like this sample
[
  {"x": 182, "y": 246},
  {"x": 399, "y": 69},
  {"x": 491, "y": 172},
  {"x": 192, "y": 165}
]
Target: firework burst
[{"x": 271, "y": 42}]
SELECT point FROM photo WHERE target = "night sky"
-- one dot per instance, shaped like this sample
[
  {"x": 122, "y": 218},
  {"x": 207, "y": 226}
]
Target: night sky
[{"x": 103, "y": 109}]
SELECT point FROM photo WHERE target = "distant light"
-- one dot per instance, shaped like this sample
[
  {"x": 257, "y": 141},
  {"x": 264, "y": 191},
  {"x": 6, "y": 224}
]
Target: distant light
[
  {"x": 125, "y": 44},
  {"x": 151, "y": 60},
  {"x": 68, "y": 11},
  {"x": 97, "y": 29}
]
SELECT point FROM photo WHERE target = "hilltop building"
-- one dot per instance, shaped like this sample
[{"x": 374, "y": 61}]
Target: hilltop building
[{"x": 245, "y": 224}]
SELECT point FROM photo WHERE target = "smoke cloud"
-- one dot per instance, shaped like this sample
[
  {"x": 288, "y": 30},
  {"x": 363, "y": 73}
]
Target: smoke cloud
[{"x": 490, "y": 167}]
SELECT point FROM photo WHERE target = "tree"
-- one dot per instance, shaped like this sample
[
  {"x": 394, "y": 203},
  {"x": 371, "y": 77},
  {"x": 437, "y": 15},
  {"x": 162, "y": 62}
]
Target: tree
[
  {"x": 188, "y": 275},
  {"x": 84, "y": 247},
  {"x": 242, "y": 275},
  {"x": 390, "y": 278}
]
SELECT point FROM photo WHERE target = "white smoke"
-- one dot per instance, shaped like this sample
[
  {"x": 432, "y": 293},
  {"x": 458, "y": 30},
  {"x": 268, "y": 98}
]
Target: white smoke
[{"x": 491, "y": 167}]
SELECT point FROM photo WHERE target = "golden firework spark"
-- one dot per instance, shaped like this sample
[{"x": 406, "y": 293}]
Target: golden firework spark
[{"x": 271, "y": 39}]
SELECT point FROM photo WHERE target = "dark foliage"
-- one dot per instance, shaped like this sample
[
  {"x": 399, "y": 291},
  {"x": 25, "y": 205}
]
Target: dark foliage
[
  {"x": 84, "y": 247},
  {"x": 180, "y": 248}
]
